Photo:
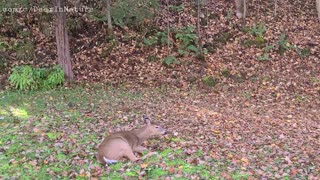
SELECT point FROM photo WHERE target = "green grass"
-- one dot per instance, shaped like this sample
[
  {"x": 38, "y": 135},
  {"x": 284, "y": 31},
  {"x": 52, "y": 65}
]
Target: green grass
[{"x": 53, "y": 135}]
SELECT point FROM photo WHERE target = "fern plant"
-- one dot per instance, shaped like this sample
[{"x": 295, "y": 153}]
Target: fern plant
[
  {"x": 55, "y": 77},
  {"x": 22, "y": 78},
  {"x": 258, "y": 30},
  {"x": 28, "y": 78}
]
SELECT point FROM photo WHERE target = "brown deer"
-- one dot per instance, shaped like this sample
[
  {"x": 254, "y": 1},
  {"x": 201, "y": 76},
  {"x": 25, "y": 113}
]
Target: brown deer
[{"x": 124, "y": 143}]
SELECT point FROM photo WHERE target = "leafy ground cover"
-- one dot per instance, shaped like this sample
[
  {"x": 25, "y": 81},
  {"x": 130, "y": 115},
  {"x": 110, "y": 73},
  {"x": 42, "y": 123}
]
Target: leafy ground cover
[{"x": 54, "y": 134}]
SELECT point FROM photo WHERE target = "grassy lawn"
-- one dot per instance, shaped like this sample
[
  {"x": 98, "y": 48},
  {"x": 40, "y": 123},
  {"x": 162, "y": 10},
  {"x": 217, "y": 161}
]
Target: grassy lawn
[{"x": 54, "y": 134}]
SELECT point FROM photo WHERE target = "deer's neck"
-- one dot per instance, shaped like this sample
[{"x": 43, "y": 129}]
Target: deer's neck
[{"x": 142, "y": 133}]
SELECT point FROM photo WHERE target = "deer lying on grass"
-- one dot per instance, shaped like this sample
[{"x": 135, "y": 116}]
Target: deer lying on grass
[{"x": 124, "y": 143}]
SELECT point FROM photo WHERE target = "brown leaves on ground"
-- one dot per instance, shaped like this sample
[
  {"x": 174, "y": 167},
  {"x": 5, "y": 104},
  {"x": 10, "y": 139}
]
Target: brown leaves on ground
[
  {"x": 263, "y": 140},
  {"x": 262, "y": 117}
]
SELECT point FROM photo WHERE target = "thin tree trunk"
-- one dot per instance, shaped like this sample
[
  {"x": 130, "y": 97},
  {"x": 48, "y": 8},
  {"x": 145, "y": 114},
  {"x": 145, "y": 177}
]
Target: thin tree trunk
[
  {"x": 239, "y": 8},
  {"x": 63, "y": 48},
  {"x": 168, "y": 30},
  {"x": 198, "y": 29},
  {"x": 109, "y": 16},
  {"x": 244, "y": 9},
  {"x": 318, "y": 8},
  {"x": 198, "y": 19},
  {"x": 275, "y": 8}
]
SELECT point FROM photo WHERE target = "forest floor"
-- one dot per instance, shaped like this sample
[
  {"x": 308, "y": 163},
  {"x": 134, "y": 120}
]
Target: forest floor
[
  {"x": 54, "y": 134},
  {"x": 249, "y": 110}
]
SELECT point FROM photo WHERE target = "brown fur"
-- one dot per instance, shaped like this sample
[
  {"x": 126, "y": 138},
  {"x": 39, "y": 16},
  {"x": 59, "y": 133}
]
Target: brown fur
[{"x": 125, "y": 143}]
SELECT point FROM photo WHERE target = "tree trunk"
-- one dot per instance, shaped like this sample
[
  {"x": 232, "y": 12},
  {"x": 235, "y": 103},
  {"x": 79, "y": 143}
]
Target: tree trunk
[
  {"x": 109, "y": 16},
  {"x": 63, "y": 48},
  {"x": 241, "y": 8},
  {"x": 318, "y": 8}
]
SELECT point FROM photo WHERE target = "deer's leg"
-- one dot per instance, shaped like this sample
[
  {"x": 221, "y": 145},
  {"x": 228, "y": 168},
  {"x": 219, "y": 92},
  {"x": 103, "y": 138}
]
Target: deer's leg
[
  {"x": 139, "y": 149},
  {"x": 149, "y": 154},
  {"x": 129, "y": 154}
]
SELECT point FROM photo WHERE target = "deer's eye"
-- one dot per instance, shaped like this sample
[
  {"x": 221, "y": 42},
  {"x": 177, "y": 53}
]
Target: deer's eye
[{"x": 157, "y": 127}]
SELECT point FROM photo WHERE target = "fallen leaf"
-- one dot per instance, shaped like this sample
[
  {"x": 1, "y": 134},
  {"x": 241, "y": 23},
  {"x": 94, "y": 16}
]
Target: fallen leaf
[{"x": 143, "y": 166}]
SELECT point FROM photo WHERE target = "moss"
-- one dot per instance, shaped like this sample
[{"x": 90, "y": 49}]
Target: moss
[
  {"x": 225, "y": 72},
  {"x": 258, "y": 41}
]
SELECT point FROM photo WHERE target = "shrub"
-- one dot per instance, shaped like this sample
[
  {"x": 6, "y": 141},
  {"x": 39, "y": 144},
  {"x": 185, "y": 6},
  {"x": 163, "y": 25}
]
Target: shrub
[
  {"x": 22, "y": 78},
  {"x": 28, "y": 78}
]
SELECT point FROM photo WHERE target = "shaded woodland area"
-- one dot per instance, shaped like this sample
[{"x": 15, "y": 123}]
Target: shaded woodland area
[{"x": 235, "y": 83}]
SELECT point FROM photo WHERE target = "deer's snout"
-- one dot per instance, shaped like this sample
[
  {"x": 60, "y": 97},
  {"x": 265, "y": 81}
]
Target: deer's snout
[{"x": 164, "y": 131}]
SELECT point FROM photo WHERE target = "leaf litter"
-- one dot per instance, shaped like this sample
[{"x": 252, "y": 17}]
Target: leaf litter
[{"x": 261, "y": 121}]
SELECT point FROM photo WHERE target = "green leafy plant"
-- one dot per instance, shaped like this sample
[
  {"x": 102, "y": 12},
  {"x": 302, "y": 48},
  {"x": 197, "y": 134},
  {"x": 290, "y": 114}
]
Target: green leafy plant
[
  {"x": 150, "y": 41},
  {"x": 28, "y": 78},
  {"x": 162, "y": 37},
  {"x": 283, "y": 44},
  {"x": 159, "y": 38},
  {"x": 257, "y": 42},
  {"x": 302, "y": 52},
  {"x": 209, "y": 81},
  {"x": 265, "y": 55},
  {"x": 189, "y": 43},
  {"x": 187, "y": 37},
  {"x": 177, "y": 8},
  {"x": 22, "y": 78},
  {"x": 169, "y": 60},
  {"x": 226, "y": 72},
  {"x": 258, "y": 30},
  {"x": 54, "y": 78}
]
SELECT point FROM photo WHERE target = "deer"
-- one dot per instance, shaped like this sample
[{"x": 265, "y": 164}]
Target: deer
[{"x": 125, "y": 143}]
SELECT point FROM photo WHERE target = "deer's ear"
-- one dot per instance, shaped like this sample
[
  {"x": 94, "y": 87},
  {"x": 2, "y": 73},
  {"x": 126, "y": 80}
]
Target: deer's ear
[{"x": 146, "y": 120}]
